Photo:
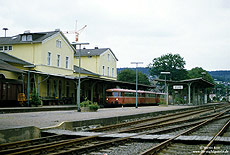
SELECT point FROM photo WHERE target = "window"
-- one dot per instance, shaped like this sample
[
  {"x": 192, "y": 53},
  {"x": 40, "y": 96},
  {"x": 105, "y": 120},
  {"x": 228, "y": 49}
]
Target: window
[
  {"x": 6, "y": 48},
  {"x": 112, "y": 72},
  {"x": 103, "y": 70},
  {"x": 24, "y": 38},
  {"x": 108, "y": 71},
  {"x": 67, "y": 62},
  {"x": 29, "y": 37},
  {"x": 116, "y": 94},
  {"x": 49, "y": 59},
  {"x": 58, "y": 43},
  {"x": 10, "y": 48},
  {"x": 108, "y": 57},
  {"x": 129, "y": 94},
  {"x": 58, "y": 60}
]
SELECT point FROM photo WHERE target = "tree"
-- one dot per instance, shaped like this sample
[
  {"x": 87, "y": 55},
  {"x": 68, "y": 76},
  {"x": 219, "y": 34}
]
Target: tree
[
  {"x": 198, "y": 72},
  {"x": 129, "y": 75},
  {"x": 172, "y": 63}
]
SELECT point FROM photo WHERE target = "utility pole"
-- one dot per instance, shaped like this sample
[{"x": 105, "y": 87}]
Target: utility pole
[
  {"x": 136, "y": 79},
  {"x": 166, "y": 87},
  {"x": 79, "y": 77}
]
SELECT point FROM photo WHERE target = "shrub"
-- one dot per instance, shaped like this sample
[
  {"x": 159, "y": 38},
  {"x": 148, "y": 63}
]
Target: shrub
[
  {"x": 35, "y": 100},
  {"x": 92, "y": 106}
]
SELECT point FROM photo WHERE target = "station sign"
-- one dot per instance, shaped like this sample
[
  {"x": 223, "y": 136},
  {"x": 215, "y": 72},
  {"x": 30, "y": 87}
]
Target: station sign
[{"x": 178, "y": 87}]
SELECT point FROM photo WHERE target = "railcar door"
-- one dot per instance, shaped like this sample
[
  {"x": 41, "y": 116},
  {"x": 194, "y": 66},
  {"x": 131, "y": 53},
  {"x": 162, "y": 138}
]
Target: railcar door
[{"x": 157, "y": 98}]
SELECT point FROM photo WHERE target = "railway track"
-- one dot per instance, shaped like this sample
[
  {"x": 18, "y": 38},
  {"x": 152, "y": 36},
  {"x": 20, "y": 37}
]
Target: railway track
[
  {"x": 166, "y": 143},
  {"x": 176, "y": 122},
  {"x": 152, "y": 120}
]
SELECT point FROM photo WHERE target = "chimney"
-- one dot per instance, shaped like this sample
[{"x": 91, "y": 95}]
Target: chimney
[{"x": 27, "y": 31}]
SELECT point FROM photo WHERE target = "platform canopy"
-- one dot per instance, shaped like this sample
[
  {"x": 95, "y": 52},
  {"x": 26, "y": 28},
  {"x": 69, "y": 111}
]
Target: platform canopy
[
  {"x": 200, "y": 81},
  {"x": 191, "y": 90}
]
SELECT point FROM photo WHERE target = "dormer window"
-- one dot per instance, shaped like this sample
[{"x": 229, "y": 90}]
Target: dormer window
[
  {"x": 27, "y": 37},
  {"x": 24, "y": 38}
]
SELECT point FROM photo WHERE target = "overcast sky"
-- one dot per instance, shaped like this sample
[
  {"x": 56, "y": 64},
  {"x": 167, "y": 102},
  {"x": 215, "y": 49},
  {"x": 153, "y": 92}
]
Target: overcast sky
[{"x": 135, "y": 30}]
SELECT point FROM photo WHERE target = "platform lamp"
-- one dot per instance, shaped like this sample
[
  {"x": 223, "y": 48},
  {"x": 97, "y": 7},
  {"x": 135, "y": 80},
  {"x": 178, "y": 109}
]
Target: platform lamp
[
  {"x": 136, "y": 79},
  {"x": 79, "y": 72},
  {"x": 166, "y": 88}
]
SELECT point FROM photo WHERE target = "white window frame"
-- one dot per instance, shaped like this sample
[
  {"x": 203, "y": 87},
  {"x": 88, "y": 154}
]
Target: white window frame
[
  {"x": 6, "y": 48},
  {"x": 23, "y": 37},
  {"x": 58, "y": 60},
  {"x": 58, "y": 43},
  {"x": 112, "y": 72},
  {"x": 11, "y": 48},
  {"x": 108, "y": 71},
  {"x": 108, "y": 57},
  {"x": 66, "y": 62},
  {"x": 29, "y": 38},
  {"x": 49, "y": 59},
  {"x": 103, "y": 70}
]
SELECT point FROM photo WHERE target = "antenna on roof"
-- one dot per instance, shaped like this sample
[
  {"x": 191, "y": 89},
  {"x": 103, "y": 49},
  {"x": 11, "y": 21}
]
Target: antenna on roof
[
  {"x": 76, "y": 31},
  {"x": 5, "y": 29}
]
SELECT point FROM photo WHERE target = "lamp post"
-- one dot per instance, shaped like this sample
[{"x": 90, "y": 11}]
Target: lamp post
[
  {"x": 166, "y": 91},
  {"x": 136, "y": 79},
  {"x": 79, "y": 77}
]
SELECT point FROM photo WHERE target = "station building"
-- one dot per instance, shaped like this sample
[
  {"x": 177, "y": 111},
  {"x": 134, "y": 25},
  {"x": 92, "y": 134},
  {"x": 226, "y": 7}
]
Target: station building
[{"x": 47, "y": 63}]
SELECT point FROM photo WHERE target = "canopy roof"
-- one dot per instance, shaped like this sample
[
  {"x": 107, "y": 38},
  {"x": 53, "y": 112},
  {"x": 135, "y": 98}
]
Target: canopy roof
[{"x": 199, "y": 81}]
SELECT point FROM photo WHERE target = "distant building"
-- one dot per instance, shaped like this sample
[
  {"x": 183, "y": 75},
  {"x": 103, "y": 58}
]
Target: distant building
[
  {"x": 47, "y": 63},
  {"x": 50, "y": 68},
  {"x": 103, "y": 59}
]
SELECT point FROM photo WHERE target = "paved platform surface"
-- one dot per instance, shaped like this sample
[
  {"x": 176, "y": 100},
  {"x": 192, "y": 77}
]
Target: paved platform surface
[{"x": 51, "y": 118}]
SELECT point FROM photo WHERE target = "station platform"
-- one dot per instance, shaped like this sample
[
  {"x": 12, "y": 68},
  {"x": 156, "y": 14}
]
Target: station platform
[
  {"x": 53, "y": 117},
  {"x": 37, "y": 109}
]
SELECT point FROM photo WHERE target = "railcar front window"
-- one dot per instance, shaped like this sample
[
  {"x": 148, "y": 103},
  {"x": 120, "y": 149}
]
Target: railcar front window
[{"x": 116, "y": 94}]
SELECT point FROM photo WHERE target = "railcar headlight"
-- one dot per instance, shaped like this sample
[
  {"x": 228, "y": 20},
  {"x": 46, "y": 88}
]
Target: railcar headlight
[
  {"x": 107, "y": 99},
  {"x": 116, "y": 99}
]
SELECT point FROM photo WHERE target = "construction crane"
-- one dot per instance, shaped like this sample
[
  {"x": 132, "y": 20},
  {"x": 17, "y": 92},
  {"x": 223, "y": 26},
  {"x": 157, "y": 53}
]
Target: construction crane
[{"x": 76, "y": 32}]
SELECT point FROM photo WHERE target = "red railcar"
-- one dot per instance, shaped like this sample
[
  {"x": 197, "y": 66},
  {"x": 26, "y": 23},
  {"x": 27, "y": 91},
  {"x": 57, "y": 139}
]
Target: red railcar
[{"x": 116, "y": 97}]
